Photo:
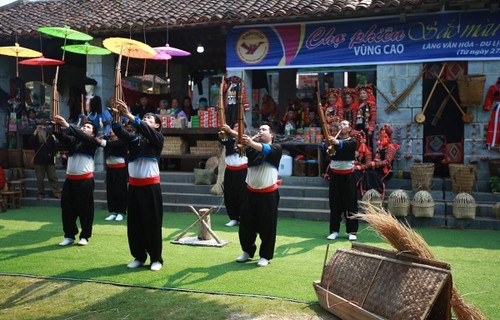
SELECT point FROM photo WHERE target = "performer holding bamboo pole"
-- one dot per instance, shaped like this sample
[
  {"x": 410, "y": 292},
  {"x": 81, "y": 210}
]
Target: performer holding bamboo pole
[
  {"x": 342, "y": 188},
  {"x": 260, "y": 215},
  {"x": 77, "y": 199},
  {"x": 236, "y": 166}
]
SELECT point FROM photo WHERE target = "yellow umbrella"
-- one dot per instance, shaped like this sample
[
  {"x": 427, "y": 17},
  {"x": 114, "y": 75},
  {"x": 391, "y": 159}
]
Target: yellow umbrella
[
  {"x": 18, "y": 51},
  {"x": 129, "y": 48}
]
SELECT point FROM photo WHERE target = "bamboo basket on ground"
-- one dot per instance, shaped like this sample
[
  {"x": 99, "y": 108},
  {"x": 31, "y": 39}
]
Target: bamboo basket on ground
[
  {"x": 365, "y": 283},
  {"x": 423, "y": 205},
  {"x": 462, "y": 177},
  {"x": 373, "y": 197},
  {"x": 464, "y": 206},
  {"x": 421, "y": 176},
  {"x": 471, "y": 90},
  {"x": 399, "y": 203}
]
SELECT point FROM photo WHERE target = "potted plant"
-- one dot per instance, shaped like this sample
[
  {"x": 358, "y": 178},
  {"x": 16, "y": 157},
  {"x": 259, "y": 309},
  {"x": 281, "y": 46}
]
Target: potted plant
[{"x": 494, "y": 182}]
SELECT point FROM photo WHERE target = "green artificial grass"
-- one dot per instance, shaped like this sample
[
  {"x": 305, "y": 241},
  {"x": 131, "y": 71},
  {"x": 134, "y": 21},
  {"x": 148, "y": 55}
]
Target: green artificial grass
[{"x": 29, "y": 238}]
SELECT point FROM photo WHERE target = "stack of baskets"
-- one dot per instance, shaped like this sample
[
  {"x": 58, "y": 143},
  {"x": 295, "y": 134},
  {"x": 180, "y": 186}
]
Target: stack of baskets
[
  {"x": 471, "y": 90},
  {"x": 423, "y": 205},
  {"x": 373, "y": 197},
  {"x": 464, "y": 206},
  {"x": 462, "y": 177},
  {"x": 399, "y": 203},
  {"x": 421, "y": 176}
]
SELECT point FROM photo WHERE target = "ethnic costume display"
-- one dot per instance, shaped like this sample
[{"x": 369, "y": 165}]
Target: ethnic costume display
[
  {"x": 379, "y": 169},
  {"x": 92, "y": 105},
  {"x": 366, "y": 114},
  {"x": 492, "y": 103},
  {"x": 145, "y": 205},
  {"x": 235, "y": 90}
]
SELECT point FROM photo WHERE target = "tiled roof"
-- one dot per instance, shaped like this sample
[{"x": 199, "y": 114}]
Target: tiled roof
[{"x": 99, "y": 17}]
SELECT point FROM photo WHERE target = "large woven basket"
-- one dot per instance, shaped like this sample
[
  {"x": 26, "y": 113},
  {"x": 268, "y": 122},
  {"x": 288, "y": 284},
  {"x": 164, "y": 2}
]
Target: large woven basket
[
  {"x": 367, "y": 283},
  {"x": 421, "y": 176},
  {"x": 471, "y": 90},
  {"x": 462, "y": 177},
  {"x": 373, "y": 197},
  {"x": 423, "y": 205},
  {"x": 399, "y": 203},
  {"x": 464, "y": 206}
]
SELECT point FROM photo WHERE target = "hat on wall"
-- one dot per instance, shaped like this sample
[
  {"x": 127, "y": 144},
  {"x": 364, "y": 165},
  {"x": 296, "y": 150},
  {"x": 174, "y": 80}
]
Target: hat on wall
[{"x": 89, "y": 81}]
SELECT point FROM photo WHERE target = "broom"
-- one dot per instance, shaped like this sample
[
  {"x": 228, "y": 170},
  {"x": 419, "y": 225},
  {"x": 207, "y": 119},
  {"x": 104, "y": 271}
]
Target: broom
[
  {"x": 405, "y": 239},
  {"x": 217, "y": 189}
]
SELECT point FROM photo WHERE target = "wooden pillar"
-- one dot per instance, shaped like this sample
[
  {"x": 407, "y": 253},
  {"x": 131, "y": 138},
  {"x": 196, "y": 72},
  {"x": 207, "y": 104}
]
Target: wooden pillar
[{"x": 204, "y": 234}]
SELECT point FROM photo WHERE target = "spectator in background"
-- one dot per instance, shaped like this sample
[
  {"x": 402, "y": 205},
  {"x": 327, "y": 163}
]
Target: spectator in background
[
  {"x": 177, "y": 111},
  {"x": 32, "y": 117},
  {"x": 43, "y": 160},
  {"x": 163, "y": 107},
  {"x": 187, "y": 107},
  {"x": 143, "y": 107},
  {"x": 202, "y": 104}
]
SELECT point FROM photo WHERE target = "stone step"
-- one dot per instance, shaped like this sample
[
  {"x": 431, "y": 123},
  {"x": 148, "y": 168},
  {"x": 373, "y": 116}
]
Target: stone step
[{"x": 301, "y": 197}]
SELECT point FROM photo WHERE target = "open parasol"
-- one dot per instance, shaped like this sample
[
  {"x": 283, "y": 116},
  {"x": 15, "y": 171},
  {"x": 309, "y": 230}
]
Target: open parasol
[
  {"x": 174, "y": 52},
  {"x": 129, "y": 48},
  {"x": 65, "y": 33},
  {"x": 86, "y": 49},
  {"x": 42, "y": 61},
  {"x": 19, "y": 52},
  {"x": 162, "y": 55}
]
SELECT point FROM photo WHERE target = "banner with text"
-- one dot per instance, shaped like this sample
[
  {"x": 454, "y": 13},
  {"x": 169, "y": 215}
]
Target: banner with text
[{"x": 449, "y": 36}]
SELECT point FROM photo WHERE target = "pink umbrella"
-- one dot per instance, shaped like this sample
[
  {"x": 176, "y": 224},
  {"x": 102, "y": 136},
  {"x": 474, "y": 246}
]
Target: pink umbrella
[
  {"x": 174, "y": 52},
  {"x": 42, "y": 61},
  {"x": 162, "y": 55}
]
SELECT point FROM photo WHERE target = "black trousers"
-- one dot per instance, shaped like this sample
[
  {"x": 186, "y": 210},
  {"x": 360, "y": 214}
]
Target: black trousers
[
  {"x": 260, "y": 216},
  {"x": 235, "y": 191},
  {"x": 144, "y": 222},
  {"x": 343, "y": 200},
  {"x": 116, "y": 189},
  {"x": 77, "y": 202}
]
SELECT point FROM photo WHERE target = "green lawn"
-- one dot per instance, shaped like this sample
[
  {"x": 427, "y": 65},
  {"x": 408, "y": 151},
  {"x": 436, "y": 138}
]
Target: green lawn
[{"x": 29, "y": 238}]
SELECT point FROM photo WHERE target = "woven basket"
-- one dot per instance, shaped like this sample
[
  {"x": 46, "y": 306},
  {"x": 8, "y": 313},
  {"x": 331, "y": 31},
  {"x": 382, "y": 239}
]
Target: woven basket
[
  {"x": 471, "y": 90},
  {"x": 372, "y": 281},
  {"x": 423, "y": 205},
  {"x": 462, "y": 177},
  {"x": 399, "y": 203},
  {"x": 373, "y": 197},
  {"x": 464, "y": 206},
  {"x": 421, "y": 176}
]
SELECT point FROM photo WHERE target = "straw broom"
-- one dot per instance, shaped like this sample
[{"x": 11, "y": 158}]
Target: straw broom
[
  {"x": 217, "y": 189},
  {"x": 405, "y": 239}
]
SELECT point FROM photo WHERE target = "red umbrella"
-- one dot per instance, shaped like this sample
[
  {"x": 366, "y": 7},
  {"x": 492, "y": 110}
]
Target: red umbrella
[{"x": 42, "y": 61}]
